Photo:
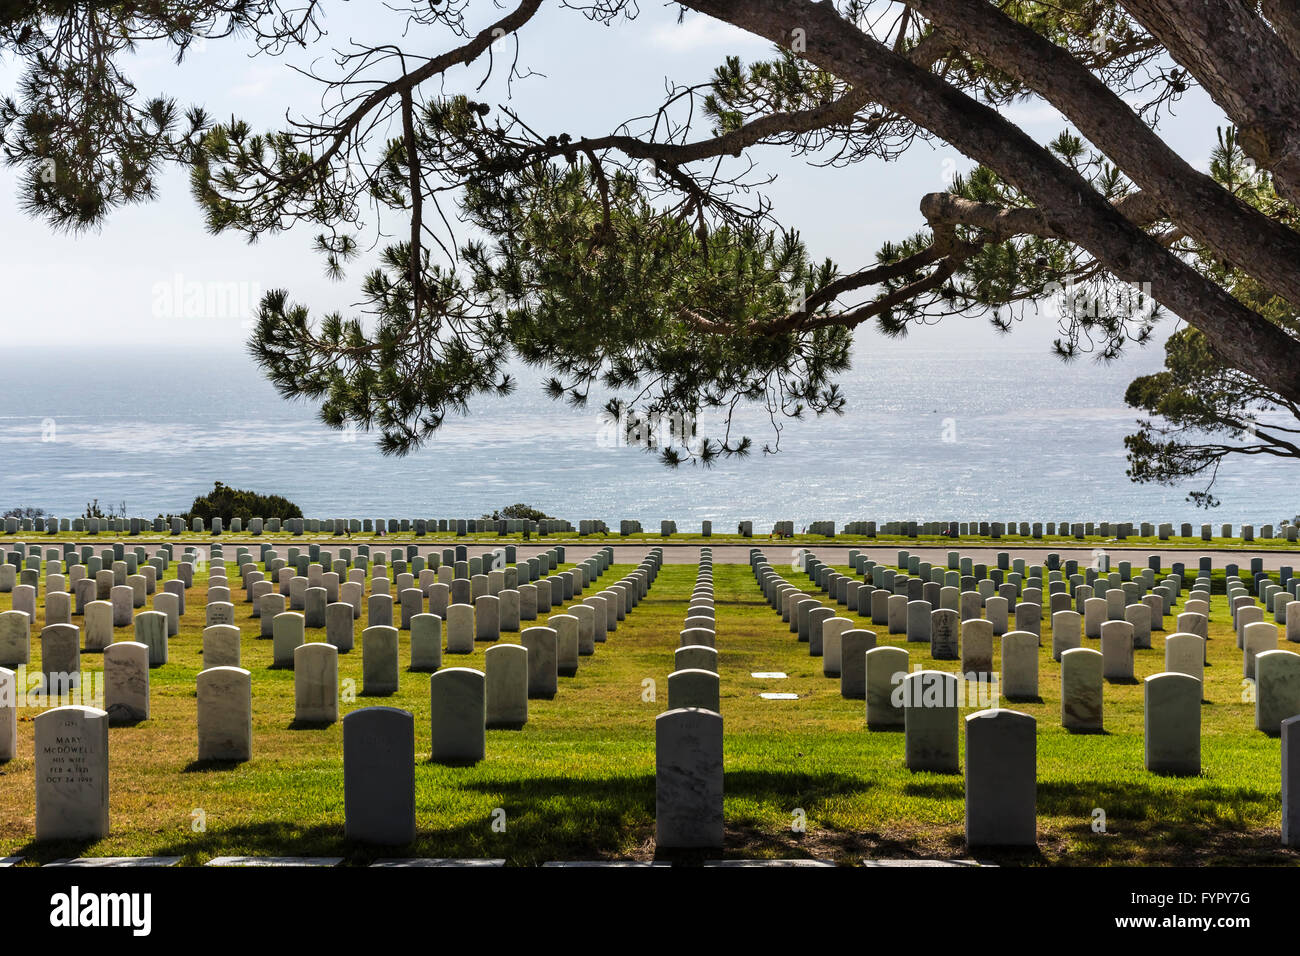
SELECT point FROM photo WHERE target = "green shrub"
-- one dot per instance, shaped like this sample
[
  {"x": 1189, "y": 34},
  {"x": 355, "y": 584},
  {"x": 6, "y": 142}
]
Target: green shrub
[
  {"x": 527, "y": 512},
  {"x": 226, "y": 503}
]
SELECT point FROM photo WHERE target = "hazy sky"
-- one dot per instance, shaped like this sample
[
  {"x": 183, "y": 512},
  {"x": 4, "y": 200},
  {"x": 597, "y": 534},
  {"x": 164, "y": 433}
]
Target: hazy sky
[{"x": 108, "y": 287}]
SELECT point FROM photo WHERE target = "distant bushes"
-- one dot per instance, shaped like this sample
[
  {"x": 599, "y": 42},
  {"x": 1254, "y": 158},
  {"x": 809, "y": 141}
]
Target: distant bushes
[
  {"x": 227, "y": 503},
  {"x": 24, "y": 513},
  {"x": 527, "y": 512}
]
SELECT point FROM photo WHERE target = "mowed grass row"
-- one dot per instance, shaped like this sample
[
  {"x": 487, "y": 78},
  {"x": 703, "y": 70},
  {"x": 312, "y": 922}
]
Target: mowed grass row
[{"x": 578, "y": 780}]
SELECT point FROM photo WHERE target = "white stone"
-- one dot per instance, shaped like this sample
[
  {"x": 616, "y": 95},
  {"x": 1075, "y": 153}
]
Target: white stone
[
  {"x": 460, "y": 628},
  {"x": 854, "y": 644},
  {"x": 61, "y": 657},
  {"x": 1081, "y": 689},
  {"x": 1256, "y": 638},
  {"x": 886, "y": 668},
  {"x": 1172, "y": 724},
  {"x": 1001, "y": 779},
  {"x": 695, "y": 657},
  {"x": 316, "y": 683},
  {"x": 566, "y": 642},
  {"x": 929, "y": 701},
  {"x": 458, "y": 714},
  {"x": 1185, "y": 654},
  {"x": 380, "y": 667},
  {"x": 71, "y": 774},
  {"x": 832, "y": 630},
  {"x": 8, "y": 714},
  {"x": 506, "y": 681},
  {"x": 688, "y": 779},
  {"x": 225, "y": 714},
  {"x": 151, "y": 630},
  {"x": 221, "y": 646},
  {"x": 288, "y": 633},
  {"x": 977, "y": 647},
  {"x": 1117, "y": 651},
  {"x": 543, "y": 661},
  {"x": 1277, "y": 689},
  {"x": 1020, "y": 665},
  {"x": 426, "y": 642},
  {"x": 99, "y": 625},
  {"x": 16, "y": 637},
  {"x": 693, "y": 688}
]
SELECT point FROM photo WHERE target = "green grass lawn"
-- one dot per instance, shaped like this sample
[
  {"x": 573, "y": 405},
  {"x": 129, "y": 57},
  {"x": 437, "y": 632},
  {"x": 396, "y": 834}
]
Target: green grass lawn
[{"x": 577, "y": 782}]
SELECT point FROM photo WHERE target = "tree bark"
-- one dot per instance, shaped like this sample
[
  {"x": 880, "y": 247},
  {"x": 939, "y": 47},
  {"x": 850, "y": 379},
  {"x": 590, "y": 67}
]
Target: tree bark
[
  {"x": 1284, "y": 15},
  {"x": 1266, "y": 249},
  {"x": 1244, "y": 339},
  {"x": 1245, "y": 67}
]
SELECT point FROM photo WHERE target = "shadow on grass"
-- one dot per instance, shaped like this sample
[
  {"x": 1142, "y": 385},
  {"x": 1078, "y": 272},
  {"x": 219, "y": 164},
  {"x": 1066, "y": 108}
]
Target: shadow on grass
[
  {"x": 936, "y": 789},
  {"x": 34, "y": 852},
  {"x": 1192, "y": 803},
  {"x": 203, "y": 766}
]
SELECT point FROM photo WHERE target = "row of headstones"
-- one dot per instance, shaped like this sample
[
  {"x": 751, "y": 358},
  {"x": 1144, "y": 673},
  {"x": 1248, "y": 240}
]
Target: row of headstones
[
  {"x": 970, "y": 640},
  {"x": 1274, "y": 596},
  {"x": 429, "y": 569},
  {"x": 694, "y": 681},
  {"x": 445, "y": 565},
  {"x": 456, "y": 560},
  {"x": 628, "y": 527},
  {"x": 1120, "y": 627},
  {"x": 1063, "y": 577},
  {"x": 835, "y": 639},
  {"x": 552, "y": 649},
  {"x": 316, "y": 664},
  {"x": 479, "y": 607},
  {"x": 25, "y": 563},
  {"x": 1122, "y": 593},
  {"x": 1004, "y": 562},
  {"x": 71, "y": 743},
  {"x": 1277, "y": 690},
  {"x": 463, "y": 526},
  {"x": 106, "y": 597},
  {"x": 906, "y": 604},
  {"x": 304, "y": 584},
  {"x": 556, "y": 646},
  {"x": 500, "y": 598},
  {"x": 1276, "y": 673},
  {"x": 296, "y": 526},
  {"x": 72, "y": 767},
  {"x": 1038, "y": 529},
  {"x": 1001, "y": 745},
  {"x": 688, "y": 735},
  {"x": 1001, "y": 769},
  {"x": 108, "y": 576},
  {"x": 127, "y": 689}
]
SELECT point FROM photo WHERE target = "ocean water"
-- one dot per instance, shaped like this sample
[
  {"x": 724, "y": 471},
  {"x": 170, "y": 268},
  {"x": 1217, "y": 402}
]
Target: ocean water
[{"x": 958, "y": 434}]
